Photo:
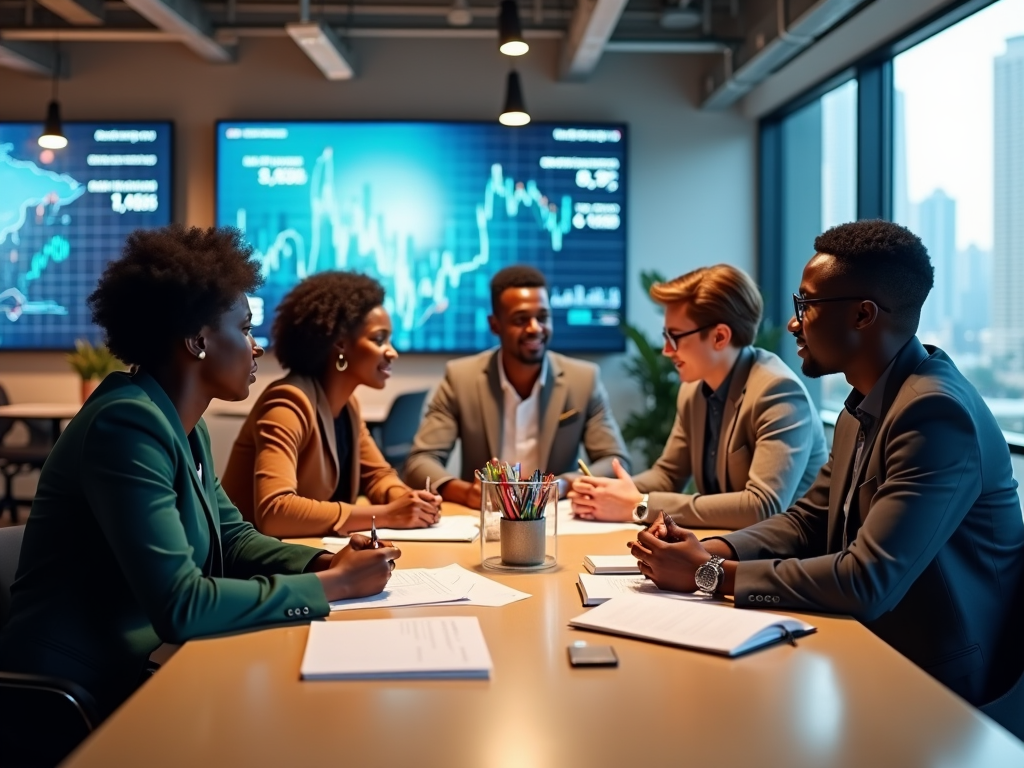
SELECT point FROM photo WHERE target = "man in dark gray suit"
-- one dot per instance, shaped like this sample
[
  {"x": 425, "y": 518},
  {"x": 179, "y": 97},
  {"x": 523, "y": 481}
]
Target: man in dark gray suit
[
  {"x": 519, "y": 403},
  {"x": 913, "y": 526}
]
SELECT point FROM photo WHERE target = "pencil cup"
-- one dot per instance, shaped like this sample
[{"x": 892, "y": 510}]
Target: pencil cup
[
  {"x": 510, "y": 544},
  {"x": 523, "y": 542}
]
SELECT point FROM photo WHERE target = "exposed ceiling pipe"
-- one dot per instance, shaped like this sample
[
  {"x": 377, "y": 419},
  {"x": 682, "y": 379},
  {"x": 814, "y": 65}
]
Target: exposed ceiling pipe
[
  {"x": 231, "y": 35},
  {"x": 773, "y": 43}
]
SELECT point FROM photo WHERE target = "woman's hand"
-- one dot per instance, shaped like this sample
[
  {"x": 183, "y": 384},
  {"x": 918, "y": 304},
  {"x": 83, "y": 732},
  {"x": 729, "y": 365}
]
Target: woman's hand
[
  {"x": 415, "y": 509},
  {"x": 359, "y": 571}
]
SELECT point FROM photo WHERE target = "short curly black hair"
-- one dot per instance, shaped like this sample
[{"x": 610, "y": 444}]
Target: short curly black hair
[
  {"x": 889, "y": 263},
  {"x": 515, "y": 276},
  {"x": 168, "y": 284},
  {"x": 316, "y": 313}
]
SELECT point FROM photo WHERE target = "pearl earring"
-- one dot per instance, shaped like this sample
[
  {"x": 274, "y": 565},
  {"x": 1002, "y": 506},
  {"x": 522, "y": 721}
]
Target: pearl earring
[
  {"x": 202, "y": 354},
  {"x": 341, "y": 363}
]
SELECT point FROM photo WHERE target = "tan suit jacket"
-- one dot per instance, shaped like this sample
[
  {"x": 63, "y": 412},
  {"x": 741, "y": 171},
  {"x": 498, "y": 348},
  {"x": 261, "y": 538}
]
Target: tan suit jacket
[
  {"x": 770, "y": 448},
  {"x": 284, "y": 464},
  {"x": 468, "y": 405}
]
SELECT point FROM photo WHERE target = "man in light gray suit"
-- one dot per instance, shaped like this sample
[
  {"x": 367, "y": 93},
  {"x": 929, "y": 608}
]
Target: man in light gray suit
[
  {"x": 745, "y": 430},
  {"x": 913, "y": 526},
  {"x": 519, "y": 403}
]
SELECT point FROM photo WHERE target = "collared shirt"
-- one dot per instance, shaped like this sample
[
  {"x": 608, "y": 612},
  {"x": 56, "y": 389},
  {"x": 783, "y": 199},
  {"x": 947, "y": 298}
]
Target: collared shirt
[
  {"x": 713, "y": 427},
  {"x": 520, "y": 422},
  {"x": 866, "y": 409}
]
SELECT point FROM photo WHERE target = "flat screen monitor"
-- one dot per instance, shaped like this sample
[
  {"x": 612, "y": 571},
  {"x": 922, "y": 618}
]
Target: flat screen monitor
[
  {"x": 433, "y": 211},
  {"x": 64, "y": 213}
]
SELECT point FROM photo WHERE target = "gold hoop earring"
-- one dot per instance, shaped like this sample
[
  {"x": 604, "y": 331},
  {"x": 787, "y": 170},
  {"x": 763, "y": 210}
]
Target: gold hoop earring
[
  {"x": 341, "y": 363},
  {"x": 202, "y": 354}
]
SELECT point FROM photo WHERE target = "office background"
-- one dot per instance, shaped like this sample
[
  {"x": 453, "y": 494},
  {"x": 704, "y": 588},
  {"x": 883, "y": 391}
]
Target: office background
[{"x": 700, "y": 182}]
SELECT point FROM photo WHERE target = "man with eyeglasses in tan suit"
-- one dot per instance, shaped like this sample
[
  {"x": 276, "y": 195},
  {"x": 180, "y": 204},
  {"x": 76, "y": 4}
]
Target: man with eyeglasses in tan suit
[{"x": 745, "y": 431}]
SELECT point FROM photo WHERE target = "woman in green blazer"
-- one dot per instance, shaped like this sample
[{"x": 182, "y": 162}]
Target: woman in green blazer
[{"x": 131, "y": 541}]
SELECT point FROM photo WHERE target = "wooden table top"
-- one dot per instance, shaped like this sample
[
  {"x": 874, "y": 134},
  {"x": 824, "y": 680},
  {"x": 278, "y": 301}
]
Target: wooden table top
[
  {"x": 842, "y": 697},
  {"x": 40, "y": 410}
]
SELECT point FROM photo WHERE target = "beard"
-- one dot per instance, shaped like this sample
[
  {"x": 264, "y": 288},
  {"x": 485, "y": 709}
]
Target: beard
[
  {"x": 530, "y": 357},
  {"x": 812, "y": 369}
]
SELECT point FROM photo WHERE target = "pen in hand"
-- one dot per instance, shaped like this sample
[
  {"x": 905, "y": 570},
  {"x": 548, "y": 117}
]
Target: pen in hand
[
  {"x": 584, "y": 468},
  {"x": 374, "y": 541}
]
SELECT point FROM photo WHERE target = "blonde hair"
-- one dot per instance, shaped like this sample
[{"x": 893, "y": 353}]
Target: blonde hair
[{"x": 718, "y": 294}]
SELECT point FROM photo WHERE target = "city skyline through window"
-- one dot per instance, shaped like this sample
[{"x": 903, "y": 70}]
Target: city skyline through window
[{"x": 958, "y": 183}]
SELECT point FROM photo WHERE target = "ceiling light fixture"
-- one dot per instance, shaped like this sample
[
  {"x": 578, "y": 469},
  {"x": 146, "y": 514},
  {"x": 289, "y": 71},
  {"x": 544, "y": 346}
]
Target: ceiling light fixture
[
  {"x": 459, "y": 15},
  {"x": 53, "y": 129},
  {"x": 514, "y": 114},
  {"x": 510, "y": 33},
  {"x": 324, "y": 49}
]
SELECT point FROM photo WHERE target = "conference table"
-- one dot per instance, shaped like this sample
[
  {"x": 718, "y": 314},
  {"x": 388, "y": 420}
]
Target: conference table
[
  {"x": 55, "y": 413},
  {"x": 841, "y": 697}
]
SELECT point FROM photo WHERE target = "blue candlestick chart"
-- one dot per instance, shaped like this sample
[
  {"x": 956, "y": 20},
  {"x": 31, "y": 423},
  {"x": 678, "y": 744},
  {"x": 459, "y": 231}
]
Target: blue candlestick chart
[{"x": 437, "y": 293}]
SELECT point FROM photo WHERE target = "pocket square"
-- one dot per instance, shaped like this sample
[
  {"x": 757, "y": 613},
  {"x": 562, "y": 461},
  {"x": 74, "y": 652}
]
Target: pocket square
[{"x": 568, "y": 416}]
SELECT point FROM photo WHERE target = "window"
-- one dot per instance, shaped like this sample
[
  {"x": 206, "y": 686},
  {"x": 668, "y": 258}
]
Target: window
[
  {"x": 817, "y": 149},
  {"x": 958, "y": 183}
]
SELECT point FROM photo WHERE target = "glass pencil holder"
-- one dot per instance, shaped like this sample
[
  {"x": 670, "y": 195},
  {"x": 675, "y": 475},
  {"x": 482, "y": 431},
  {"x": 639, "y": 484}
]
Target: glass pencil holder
[{"x": 511, "y": 543}]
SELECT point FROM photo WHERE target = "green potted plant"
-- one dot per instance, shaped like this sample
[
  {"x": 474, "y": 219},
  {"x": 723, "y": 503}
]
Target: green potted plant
[
  {"x": 92, "y": 363},
  {"x": 647, "y": 428}
]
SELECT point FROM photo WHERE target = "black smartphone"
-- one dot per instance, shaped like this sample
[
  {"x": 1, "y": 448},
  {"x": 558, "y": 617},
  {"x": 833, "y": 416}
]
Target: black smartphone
[{"x": 592, "y": 656}]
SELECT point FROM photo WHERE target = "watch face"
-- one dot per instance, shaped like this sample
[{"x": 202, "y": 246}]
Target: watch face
[{"x": 706, "y": 577}]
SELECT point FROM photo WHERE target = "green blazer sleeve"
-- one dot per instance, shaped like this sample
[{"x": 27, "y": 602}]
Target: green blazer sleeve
[{"x": 131, "y": 469}]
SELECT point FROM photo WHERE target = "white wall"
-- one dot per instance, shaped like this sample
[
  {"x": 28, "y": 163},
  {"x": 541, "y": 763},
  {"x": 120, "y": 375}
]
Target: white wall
[{"x": 691, "y": 173}]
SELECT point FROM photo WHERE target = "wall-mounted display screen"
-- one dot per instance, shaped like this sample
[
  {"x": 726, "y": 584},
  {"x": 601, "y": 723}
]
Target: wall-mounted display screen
[
  {"x": 64, "y": 213},
  {"x": 433, "y": 210}
]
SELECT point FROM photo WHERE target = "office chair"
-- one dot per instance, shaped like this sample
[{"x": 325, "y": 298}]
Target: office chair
[
  {"x": 18, "y": 459},
  {"x": 42, "y": 718},
  {"x": 395, "y": 434}
]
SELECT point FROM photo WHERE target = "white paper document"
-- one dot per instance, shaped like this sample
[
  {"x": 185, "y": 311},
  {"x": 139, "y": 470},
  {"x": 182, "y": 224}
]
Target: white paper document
[
  {"x": 455, "y": 528},
  {"x": 714, "y": 628},
  {"x": 412, "y": 586},
  {"x": 482, "y": 591},
  {"x": 620, "y": 564},
  {"x": 413, "y": 648},
  {"x": 596, "y": 589},
  {"x": 571, "y": 526}
]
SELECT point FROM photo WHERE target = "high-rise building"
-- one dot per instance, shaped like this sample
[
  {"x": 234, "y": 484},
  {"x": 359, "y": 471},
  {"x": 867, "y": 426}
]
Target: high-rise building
[
  {"x": 935, "y": 223},
  {"x": 900, "y": 195},
  {"x": 1008, "y": 219}
]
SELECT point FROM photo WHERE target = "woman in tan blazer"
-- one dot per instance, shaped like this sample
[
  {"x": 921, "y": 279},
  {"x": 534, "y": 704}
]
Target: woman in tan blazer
[{"x": 304, "y": 453}]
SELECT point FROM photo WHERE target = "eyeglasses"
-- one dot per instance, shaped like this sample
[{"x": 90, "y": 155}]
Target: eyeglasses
[
  {"x": 800, "y": 304},
  {"x": 672, "y": 339}
]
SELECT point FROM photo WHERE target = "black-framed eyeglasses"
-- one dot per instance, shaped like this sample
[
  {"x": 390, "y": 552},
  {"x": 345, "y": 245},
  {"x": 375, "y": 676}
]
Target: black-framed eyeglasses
[
  {"x": 800, "y": 303},
  {"x": 672, "y": 339}
]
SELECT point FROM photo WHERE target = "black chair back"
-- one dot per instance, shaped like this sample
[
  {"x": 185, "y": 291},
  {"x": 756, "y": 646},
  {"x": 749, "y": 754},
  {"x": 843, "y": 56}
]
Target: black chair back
[
  {"x": 42, "y": 718},
  {"x": 10, "y": 550},
  {"x": 399, "y": 428},
  {"x": 5, "y": 424}
]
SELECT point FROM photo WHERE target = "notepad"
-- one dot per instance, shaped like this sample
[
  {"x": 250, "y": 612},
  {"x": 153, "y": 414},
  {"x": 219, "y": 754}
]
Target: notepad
[
  {"x": 414, "y": 648},
  {"x": 696, "y": 626},
  {"x": 611, "y": 564},
  {"x": 462, "y": 528},
  {"x": 596, "y": 589}
]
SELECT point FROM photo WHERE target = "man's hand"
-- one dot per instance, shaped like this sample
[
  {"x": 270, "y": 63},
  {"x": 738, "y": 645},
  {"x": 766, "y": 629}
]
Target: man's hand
[
  {"x": 462, "y": 492},
  {"x": 605, "y": 498},
  {"x": 671, "y": 561}
]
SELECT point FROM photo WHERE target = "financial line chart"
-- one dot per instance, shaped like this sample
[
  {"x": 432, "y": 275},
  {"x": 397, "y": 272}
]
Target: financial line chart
[{"x": 341, "y": 234}]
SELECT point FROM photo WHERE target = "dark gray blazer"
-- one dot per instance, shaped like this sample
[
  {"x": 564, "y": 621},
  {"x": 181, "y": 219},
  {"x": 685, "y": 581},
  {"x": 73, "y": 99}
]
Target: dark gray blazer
[
  {"x": 936, "y": 539},
  {"x": 468, "y": 404}
]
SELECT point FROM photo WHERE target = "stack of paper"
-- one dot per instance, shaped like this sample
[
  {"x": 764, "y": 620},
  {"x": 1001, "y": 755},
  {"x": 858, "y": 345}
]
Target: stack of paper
[
  {"x": 596, "y": 589},
  {"x": 611, "y": 564},
  {"x": 711, "y": 628},
  {"x": 415, "y": 648},
  {"x": 462, "y": 528}
]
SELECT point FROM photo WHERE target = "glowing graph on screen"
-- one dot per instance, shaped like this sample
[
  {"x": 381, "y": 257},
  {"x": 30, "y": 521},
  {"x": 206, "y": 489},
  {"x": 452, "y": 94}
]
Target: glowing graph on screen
[{"x": 341, "y": 235}]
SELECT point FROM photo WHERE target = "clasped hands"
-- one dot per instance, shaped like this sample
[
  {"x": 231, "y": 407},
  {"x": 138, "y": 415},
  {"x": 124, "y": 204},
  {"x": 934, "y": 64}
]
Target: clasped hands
[{"x": 669, "y": 555}]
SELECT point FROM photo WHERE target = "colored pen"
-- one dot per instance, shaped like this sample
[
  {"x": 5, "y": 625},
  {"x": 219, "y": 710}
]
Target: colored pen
[
  {"x": 584, "y": 468},
  {"x": 374, "y": 541}
]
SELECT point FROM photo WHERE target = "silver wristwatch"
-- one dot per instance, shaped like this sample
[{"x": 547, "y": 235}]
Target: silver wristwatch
[
  {"x": 640, "y": 510},
  {"x": 709, "y": 576}
]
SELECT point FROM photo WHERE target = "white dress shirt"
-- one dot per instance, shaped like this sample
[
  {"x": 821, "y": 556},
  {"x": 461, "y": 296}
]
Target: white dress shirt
[{"x": 520, "y": 422}]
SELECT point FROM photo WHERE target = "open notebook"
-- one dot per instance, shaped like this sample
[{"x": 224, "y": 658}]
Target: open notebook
[
  {"x": 713, "y": 628},
  {"x": 413, "y": 648}
]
